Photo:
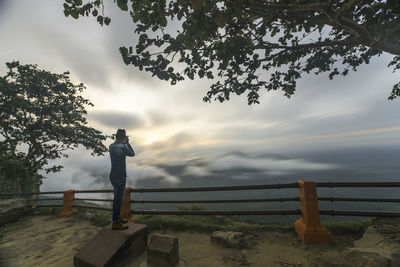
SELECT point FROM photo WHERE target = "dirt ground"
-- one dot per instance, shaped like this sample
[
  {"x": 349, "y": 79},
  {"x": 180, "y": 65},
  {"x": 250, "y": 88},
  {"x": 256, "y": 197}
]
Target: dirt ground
[{"x": 50, "y": 241}]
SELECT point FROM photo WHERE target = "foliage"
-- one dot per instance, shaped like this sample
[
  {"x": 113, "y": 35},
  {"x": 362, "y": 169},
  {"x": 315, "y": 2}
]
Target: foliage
[
  {"x": 191, "y": 207},
  {"x": 208, "y": 223},
  {"x": 245, "y": 46},
  {"x": 15, "y": 175},
  {"x": 42, "y": 115},
  {"x": 348, "y": 227}
]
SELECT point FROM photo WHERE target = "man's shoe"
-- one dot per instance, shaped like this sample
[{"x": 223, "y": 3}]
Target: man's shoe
[
  {"x": 123, "y": 220},
  {"x": 119, "y": 226}
]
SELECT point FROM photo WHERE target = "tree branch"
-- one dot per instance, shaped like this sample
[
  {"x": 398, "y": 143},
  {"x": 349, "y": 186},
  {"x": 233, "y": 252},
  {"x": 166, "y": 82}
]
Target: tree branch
[
  {"x": 296, "y": 7},
  {"x": 345, "y": 7},
  {"x": 347, "y": 41},
  {"x": 335, "y": 19}
]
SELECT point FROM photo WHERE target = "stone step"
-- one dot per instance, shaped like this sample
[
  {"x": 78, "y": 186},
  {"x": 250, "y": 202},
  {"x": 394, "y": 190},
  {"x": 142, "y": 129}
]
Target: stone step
[{"x": 107, "y": 246}]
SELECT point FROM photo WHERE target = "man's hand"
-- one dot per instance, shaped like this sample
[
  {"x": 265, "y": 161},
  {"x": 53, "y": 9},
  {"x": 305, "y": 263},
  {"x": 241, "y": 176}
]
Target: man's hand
[{"x": 126, "y": 140}]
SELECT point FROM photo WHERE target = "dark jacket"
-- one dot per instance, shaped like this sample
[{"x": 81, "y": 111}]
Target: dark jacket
[{"x": 118, "y": 153}]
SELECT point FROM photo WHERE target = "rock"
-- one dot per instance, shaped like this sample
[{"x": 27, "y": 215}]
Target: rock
[
  {"x": 395, "y": 260},
  {"x": 11, "y": 209},
  {"x": 163, "y": 251},
  {"x": 88, "y": 215},
  {"x": 238, "y": 259},
  {"x": 232, "y": 239}
]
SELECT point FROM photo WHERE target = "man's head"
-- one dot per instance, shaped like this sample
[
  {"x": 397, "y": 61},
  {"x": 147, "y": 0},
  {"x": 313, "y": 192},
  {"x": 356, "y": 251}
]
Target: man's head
[{"x": 120, "y": 136}]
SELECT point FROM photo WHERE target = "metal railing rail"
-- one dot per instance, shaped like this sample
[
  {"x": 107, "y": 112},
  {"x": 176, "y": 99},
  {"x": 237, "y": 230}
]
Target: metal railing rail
[
  {"x": 218, "y": 200},
  {"x": 355, "y": 199},
  {"x": 217, "y": 188},
  {"x": 32, "y": 193},
  {"x": 94, "y": 199},
  {"x": 48, "y": 206},
  {"x": 234, "y": 188},
  {"x": 217, "y": 212},
  {"x": 359, "y": 213},
  {"x": 357, "y": 184}
]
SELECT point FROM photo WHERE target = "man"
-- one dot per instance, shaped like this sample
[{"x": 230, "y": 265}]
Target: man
[{"x": 118, "y": 152}]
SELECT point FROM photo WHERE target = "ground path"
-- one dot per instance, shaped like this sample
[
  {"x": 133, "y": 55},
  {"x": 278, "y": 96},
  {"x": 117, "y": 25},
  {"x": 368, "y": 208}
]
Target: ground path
[{"x": 44, "y": 240}]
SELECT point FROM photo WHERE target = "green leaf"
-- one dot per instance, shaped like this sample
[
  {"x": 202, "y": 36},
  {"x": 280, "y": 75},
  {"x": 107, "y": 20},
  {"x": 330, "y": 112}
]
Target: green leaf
[
  {"x": 201, "y": 73},
  {"x": 163, "y": 21},
  {"x": 123, "y": 4}
]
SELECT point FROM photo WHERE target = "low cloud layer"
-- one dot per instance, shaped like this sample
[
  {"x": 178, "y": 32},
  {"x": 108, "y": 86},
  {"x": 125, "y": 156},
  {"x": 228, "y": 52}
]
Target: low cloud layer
[{"x": 83, "y": 172}]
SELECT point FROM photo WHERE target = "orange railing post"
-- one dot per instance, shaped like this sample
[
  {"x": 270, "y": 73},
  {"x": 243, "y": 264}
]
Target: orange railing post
[
  {"x": 126, "y": 212},
  {"x": 309, "y": 227},
  {"x": 68, "y": 203}
]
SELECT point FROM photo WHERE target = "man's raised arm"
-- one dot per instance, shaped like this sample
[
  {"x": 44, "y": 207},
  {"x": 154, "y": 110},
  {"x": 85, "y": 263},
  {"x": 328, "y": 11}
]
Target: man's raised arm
[{"x": 129, "y": 150}]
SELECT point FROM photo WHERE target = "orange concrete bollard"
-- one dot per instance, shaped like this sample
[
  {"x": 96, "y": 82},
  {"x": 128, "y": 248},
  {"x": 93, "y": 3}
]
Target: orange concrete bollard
[
  {"x": 68, "y": 203},
  {"x": 126, "y": 206},
  {"x": 309, "y": 227}
]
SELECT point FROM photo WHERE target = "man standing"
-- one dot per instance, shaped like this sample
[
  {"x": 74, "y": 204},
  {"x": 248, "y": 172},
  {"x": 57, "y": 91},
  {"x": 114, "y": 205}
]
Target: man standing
[{"x": 118, "y": 152}]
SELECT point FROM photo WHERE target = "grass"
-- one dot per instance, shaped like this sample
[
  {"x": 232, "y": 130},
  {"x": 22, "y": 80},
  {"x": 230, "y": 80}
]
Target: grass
[
  {"x": 200, "y": 223},
  {"x": 348, "y": 227},
  {"x": 203, "y": 223},
  {"x": 207, "y": 223}
]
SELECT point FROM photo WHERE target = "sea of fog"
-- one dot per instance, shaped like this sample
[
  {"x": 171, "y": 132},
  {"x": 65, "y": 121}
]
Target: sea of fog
[{"x": 355, "y": 165}]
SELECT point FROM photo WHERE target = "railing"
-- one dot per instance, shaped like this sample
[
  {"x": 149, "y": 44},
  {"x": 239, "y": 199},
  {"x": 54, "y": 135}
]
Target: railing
[
  {"x": 70, "y": 206},
  {"x": 234, "y": 188},
  {"x": 308, "y": 227}
]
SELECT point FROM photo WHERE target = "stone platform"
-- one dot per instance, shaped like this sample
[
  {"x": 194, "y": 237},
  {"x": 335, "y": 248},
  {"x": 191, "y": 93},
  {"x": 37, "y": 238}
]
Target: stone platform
[{"x": 107, "y": 246}]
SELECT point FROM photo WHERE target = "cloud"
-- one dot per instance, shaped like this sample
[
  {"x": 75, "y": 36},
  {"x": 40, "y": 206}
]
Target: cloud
[
  {"x": 158, "y": 118},
  {"x": 117, "y": 119},
  {"x": 138, "y": 172},
  {"x": 267, "y": 165},
  {"x": 173, "y": 142},
  {"x": 242, "y": 165},
  {"x": 196, "y": 171},
  {"x": 83, "y": 172},
  {"x": 3, "y": 6},
  {"x": 354, "y": 133}
]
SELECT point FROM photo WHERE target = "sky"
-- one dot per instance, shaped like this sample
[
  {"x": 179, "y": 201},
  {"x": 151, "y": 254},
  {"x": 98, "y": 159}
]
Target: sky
[{"x": 173, "y": 132}]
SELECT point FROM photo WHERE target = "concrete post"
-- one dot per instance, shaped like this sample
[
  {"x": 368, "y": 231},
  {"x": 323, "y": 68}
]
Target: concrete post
[
  {"x": 309, "y": 227},
  {"x": 126, "y": 206},
  {"x": 68, "y": 203}
]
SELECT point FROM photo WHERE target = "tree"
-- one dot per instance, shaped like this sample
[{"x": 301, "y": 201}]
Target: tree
[
  {"x": 15, "y": 175},
  {"x": 234, "y": 42},
  {"x": 41, "y": 116}
]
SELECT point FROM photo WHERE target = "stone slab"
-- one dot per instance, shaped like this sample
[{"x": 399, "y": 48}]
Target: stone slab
[
  {"x": 107, "y": 245},
  {"x": 163, "y": 251}
]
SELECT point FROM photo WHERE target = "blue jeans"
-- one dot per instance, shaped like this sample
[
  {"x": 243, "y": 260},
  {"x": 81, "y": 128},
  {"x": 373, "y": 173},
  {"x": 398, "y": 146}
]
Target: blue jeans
[{"x": 119, "y": 188}]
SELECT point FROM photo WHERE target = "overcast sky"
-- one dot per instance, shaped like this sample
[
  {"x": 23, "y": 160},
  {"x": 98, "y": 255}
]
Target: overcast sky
[{"x": 171, "y": 125}]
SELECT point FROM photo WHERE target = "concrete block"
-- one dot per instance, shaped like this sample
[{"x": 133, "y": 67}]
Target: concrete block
[
  {"x": 11, "y": 209},
  {"x": 163, "y": 251},
  {"x": 105, "y": 248}
]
